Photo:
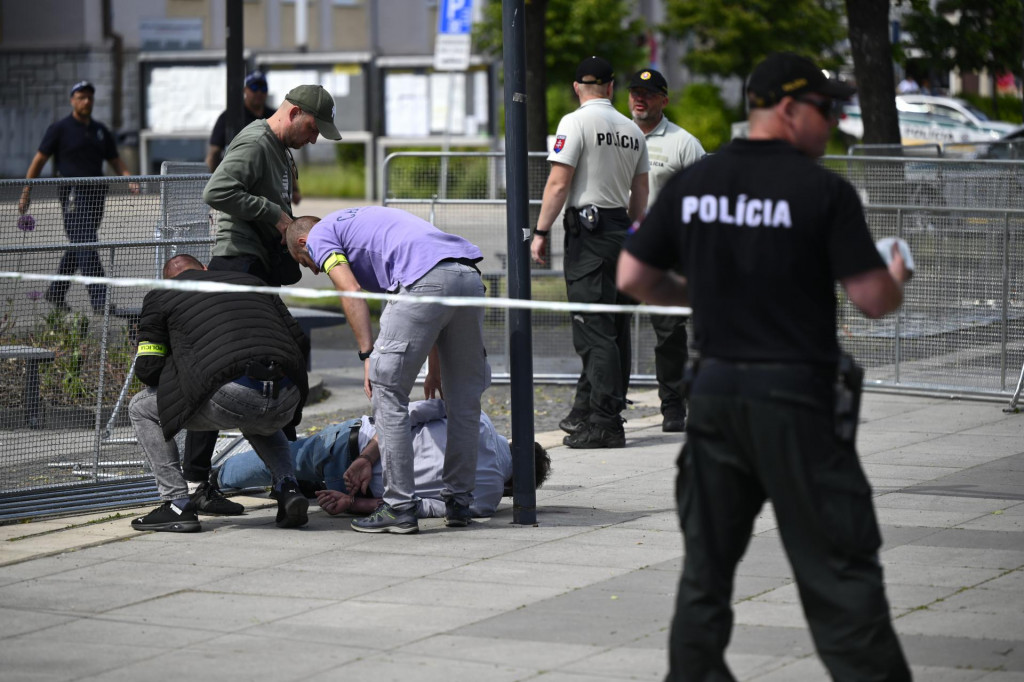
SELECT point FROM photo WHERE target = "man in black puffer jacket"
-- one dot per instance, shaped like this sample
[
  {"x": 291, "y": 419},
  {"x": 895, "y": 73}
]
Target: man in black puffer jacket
[{"x": 215, "y": 361}]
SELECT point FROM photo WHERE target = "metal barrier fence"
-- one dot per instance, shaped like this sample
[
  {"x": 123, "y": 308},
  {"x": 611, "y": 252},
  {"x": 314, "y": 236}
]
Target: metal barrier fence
[
  {"x": 66, "y": 352},
  {"x": 65, "y": 374},
  {"x": 960, "y": 330}
]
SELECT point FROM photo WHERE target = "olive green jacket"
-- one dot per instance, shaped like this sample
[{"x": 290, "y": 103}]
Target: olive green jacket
[{"x": 251, "y": 188}]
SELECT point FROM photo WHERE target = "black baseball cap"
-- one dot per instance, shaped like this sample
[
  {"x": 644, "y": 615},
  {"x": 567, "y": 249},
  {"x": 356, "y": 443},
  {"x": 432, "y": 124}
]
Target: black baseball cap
[
  {"x": 315, "y": 100},
  {"x": 785, "y": 74},
  {"x": 82, "y": 85},
  {"x": 256, "y": 81},
  {"x": 650, "y": 80},
  {"x": 594, "y": 71}
]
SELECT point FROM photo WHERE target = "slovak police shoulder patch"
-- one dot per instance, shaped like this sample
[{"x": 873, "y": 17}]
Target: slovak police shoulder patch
[{"x": 559, "y": 143}]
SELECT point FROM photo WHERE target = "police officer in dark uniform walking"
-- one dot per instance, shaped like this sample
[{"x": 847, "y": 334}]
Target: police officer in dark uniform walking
[
  {"x": 79, "y": 145},
  {"x": 759, "y": 233},
  {"x": 599, "y": 174}
]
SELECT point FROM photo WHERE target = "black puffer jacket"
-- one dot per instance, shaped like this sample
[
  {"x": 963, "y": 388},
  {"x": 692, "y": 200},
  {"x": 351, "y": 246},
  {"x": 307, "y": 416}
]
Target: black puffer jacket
[{"x": 210, "y": 338}]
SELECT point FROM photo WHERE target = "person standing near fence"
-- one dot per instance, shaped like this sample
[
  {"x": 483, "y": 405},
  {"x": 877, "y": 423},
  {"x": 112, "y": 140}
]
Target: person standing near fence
[
  {"x": 670, "y": 149},
  {"x": 79, "y": 145},
  {"x": 254, "y": 98},
  {"x": 388, "y": 250},
  {"x": 249, "y": 374},
  {"x": 252, "y": 190},
  {"x": 758, "y": 234},
  {"x": 599, "y": 174}
]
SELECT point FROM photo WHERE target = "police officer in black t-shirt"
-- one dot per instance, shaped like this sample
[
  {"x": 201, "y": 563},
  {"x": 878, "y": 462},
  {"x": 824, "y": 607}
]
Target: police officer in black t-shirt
[
  {"x": 760, "y": 233},
  {"x": 79, "y": 146}
]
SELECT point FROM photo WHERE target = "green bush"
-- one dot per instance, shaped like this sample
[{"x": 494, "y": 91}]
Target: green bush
[
  {"x": 347, "y": 178},
  {"x": 1008, "y": 107},
  {"x": 701, "y": 111},
  {"x": 419, "y": 177}
]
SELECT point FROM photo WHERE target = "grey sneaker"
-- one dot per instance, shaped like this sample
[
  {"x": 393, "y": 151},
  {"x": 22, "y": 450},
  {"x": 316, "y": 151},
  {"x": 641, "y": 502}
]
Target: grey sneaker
[
  {"x": 386, "y": 519},
  {"x": 456, "y": 515}
]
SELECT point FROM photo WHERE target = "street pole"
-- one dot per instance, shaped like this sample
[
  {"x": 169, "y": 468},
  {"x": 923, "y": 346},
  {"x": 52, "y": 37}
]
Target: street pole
[
  {"x": 235, "y": 118},
  {"x": 524, "y": 500}
]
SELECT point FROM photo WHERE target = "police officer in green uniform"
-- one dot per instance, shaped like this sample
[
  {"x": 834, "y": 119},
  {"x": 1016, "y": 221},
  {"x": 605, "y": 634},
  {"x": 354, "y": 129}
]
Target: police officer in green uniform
[
  {"x": 759, "y": 233},
  {"x": 670, "y": 149},
  {"x": 599, "y": 174}
]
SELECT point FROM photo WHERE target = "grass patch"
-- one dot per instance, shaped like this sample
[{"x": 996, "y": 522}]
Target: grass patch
[{"x": 324, "y": 180}]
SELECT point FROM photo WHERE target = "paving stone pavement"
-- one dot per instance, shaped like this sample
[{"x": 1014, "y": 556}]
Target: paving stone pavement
[{"x": 586, "y": 594}]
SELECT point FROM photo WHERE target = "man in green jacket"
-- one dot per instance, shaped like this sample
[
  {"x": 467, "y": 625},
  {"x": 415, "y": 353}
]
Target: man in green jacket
[
  {"x": 252, "y": 190},
  {"x": 252, "y": 186}
]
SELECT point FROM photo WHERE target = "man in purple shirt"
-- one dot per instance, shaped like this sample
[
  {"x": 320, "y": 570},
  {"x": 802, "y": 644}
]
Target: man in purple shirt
[{"x": 382, "y": 250}]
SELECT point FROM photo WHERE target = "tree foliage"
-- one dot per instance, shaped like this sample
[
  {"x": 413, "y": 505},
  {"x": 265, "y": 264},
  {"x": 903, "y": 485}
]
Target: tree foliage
[
  {"x": 571, "y": 30},
  {"x": 576, "y": 29},
  {"x": 728, "y": 37},
  {"x": 966, "y": 34}
]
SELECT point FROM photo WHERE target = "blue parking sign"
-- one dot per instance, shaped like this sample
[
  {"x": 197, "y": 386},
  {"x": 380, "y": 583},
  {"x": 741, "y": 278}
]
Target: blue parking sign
[{"x": 455, "y": 17}]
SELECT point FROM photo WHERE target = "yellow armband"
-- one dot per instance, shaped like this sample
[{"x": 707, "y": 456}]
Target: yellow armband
[
  {"x": 152, "y": 349},
  {"x": 333, "y": 260}
]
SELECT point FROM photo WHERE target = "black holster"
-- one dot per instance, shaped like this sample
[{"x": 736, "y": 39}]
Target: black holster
[{"x": 849, "y": 386}]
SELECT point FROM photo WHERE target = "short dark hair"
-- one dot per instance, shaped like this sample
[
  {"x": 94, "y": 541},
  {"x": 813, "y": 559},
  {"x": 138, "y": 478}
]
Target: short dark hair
[{"x": 541, "y": 468}]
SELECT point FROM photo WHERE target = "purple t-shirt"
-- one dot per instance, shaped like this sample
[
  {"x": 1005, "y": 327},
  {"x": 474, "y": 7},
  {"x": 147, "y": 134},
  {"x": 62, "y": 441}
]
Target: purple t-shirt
[{"x": 385, "y": 247}]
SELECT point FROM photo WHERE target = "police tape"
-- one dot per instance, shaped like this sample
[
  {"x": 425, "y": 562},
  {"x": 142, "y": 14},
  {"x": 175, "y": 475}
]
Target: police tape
[{"x": 453, "y": 301}]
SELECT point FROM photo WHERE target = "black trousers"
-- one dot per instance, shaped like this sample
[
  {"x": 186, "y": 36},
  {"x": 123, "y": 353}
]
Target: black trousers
[
  {"x": 82, "y": 208},
  {"x": 766, "y": 432},
  {"x": 670, "y": 355},
  {"x": 602, "y": 340}
]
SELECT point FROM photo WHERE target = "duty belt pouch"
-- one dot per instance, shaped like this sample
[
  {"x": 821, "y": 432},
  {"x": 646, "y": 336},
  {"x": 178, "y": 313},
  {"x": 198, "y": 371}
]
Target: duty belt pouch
[
  {"x": 589, "y": 217},
  {"x": 849, "y": 385}
]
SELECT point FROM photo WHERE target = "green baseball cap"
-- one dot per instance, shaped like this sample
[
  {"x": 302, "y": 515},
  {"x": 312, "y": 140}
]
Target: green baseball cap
[{"x": 313, "y": 99}]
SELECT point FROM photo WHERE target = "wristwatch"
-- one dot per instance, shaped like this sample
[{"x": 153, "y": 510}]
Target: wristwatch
[
  {"x": 542, "y": 233},
  {"x": 363, "y": 356}
]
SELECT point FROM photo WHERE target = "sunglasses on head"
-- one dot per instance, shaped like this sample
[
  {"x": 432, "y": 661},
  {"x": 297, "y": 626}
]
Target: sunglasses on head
[{"x": 828, "y": 108}]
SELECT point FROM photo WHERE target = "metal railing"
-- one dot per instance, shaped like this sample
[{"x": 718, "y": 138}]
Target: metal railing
[
  {"x": 66, "y": 373},
  {"x": 960, "y": 330},
  {"x": 66, "y": 353}
]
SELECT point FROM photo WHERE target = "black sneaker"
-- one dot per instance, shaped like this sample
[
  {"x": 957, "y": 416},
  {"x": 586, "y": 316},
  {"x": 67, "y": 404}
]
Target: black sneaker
[
  {"x": 292, "y": 505},
  {"x": 310, "y": 488},
  {"x": 168, "y": 518},
  {"x": 674, "y": 419},
  {"x": 209, "y": 500},
  {"x": 575, "y": 420},
  {"x": 456, "y": 515},
  {"x": 594, "y": 436},
  {"x": 386, "y": 519}
]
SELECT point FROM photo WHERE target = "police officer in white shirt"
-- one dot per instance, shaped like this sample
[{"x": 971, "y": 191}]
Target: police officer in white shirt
[
  {"x": 670, "y": 149},
  {"x": 599, "y": 174}
]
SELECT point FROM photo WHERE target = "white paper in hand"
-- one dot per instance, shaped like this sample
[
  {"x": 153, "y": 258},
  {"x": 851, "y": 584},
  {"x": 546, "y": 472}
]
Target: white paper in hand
[{"x": 884, "y": 247}]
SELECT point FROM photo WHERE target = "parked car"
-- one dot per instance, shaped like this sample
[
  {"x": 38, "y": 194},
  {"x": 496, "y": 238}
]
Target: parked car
[{"x": 928, "y": 118}]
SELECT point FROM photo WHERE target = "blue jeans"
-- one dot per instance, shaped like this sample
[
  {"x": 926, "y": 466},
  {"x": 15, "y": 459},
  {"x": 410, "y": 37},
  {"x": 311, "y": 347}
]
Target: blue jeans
[
  {"x": 408, "y": 331},
  {"x": 324, "y": 456},
  {"x": 232, "y": 406}
]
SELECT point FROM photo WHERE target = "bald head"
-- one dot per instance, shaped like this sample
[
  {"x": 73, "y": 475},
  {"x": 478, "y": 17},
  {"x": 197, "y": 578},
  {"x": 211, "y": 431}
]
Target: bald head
[{"x": 180, "y": 263}]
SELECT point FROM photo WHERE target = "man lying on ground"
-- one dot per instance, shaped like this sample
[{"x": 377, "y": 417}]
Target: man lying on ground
[{"x": 346, "y": 458}]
